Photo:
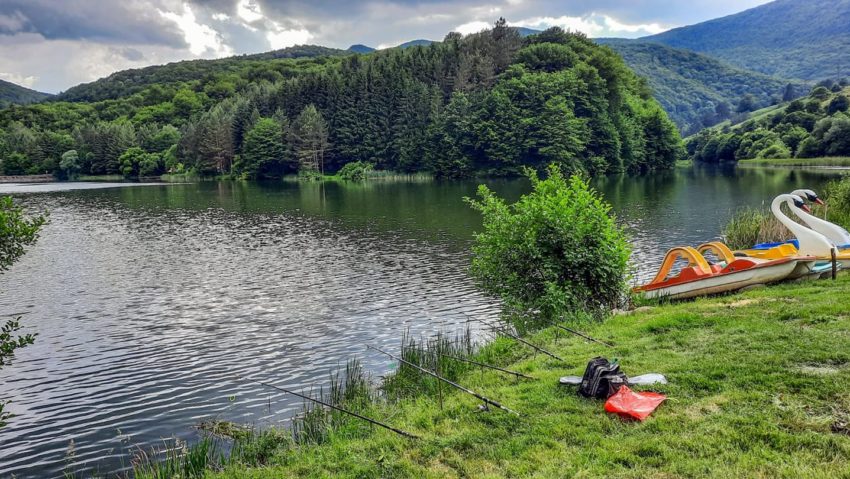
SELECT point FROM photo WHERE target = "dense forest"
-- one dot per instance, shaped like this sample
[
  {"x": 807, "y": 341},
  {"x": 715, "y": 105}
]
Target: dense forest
[
  {"x": 698, "y": 91},
  {"x": 491, "y": 102},
  {"x": 11, "y": 94},
  {"x": 807, "y": 40},
  {"x": 814, "y": 126}
]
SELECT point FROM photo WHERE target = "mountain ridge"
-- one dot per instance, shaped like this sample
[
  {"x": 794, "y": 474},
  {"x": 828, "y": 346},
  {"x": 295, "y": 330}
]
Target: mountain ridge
[
  {"x": 14, "y": 94},
  {"x": 786, "y": 38}
]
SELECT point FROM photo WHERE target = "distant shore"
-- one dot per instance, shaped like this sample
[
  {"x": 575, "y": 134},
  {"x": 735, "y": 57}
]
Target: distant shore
[{"x": 838, "y": 162}]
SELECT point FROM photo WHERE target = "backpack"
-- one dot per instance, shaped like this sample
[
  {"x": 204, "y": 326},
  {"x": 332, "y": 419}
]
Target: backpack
[{"x": 602, "y": 379}]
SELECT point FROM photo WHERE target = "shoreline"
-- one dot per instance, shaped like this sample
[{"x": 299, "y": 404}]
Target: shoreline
[{"x": 756, "y": 389}]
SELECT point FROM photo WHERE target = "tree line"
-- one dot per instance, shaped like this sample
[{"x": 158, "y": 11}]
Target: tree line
[{"x": 491, "y": 102}]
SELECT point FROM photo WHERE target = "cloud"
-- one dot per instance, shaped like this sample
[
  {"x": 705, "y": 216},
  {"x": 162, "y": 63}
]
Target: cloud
[
  {"x": 18, "y": 79},
  {"x": 472, "y": 27},
  {"x": 593, "y": 25},
  {"x": 12, "y": 22},
  {"x": 249, "y": 11},
  {"x": 129, "y": 53},
  {"x": 126, "y": 21},
  {"x": 282, "y": 38},
  {"x": 200, "y": 38}
]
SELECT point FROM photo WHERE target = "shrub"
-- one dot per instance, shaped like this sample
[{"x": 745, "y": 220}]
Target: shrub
[
  {"x": 775, "y": 150},
  {"x": 820, "y": 93},
  {"x": 355, "y": 171},
  {"x": 555, "y": 250}
]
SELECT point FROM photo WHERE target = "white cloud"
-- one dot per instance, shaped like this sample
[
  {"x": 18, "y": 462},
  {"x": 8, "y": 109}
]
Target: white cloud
[
  {"x": 593, "y": 25},
  {"x": 651, "y": 28},
  {"x": 249, "y": 11},
  {"x": 472, "y": 27},
  {"x": 201, "y": 38},
  {"x": 26, "y": 81},
  {"x": 220, "y": 17},
  {"x": 282, "y": 38}
]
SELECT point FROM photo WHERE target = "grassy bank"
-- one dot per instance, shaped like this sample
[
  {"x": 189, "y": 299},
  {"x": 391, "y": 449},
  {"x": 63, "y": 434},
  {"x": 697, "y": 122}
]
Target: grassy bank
[
  {"x": 843, "y": 161},
  {"x": 100, "y": 178},
  {"x": 758, "y": 388}
]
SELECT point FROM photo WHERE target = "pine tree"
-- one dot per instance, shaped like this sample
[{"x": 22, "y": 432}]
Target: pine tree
[{"x": 310, "y": 139}]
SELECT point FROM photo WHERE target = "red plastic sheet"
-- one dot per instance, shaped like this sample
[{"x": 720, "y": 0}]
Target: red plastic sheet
[{"x": 633, "y": 405}]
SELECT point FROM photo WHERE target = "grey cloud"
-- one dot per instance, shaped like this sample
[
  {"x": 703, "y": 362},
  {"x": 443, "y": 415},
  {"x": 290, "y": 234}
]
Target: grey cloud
[
  {"x": 129, "y": 53},
  {"x": 132, "y": 21}
]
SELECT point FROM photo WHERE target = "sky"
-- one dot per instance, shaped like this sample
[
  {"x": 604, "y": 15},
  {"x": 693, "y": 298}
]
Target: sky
[{"x": 51, "y": 45}]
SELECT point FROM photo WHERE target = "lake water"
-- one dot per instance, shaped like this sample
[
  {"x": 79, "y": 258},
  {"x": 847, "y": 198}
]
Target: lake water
[{"x": 149, "y": 300}]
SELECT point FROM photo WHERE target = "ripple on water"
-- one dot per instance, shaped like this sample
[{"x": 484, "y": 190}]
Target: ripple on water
[{"x": 145, "y": 317}]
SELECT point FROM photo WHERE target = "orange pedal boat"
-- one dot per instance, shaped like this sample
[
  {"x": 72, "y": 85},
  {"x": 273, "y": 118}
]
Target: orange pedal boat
[{"x": 700, "y": 277}]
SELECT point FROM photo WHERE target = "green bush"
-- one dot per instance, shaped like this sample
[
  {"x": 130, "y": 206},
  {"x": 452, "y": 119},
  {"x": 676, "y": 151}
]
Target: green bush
[
  {"x": 776, "y": 150},
  {"x": 556, "y": 250},
  {"x": 355, "y": 171}
]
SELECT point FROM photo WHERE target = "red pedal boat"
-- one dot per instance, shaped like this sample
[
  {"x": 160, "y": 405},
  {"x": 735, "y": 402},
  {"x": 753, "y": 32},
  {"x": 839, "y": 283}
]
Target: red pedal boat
[{"x": 701, "y": 278}]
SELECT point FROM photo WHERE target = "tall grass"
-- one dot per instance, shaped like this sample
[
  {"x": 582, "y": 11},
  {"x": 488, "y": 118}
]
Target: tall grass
[
  {"x": 350, "y": 389},
  {"x": 750, "y": 226},
  {"x": 833, "y": 161},
  {"x": 837, "y": 198},
  {"x": 429, "y": 353},
  {"x": 178, "y": 460}
]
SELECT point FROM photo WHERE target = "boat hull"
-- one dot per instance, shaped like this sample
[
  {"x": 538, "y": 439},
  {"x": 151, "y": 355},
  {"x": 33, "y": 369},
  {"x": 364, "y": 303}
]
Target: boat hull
[{"x": 722, "y": 283}]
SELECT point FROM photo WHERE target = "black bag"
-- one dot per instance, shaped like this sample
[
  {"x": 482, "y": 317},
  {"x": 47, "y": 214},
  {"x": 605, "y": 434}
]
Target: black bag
[{"x": 602, "y": 379}]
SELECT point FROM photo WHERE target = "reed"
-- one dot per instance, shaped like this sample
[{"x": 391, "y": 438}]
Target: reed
[
  {"x": 350, "y": 389},
  {"x": 178, "y": 460},
  {"x": 837, "y": 198},
  {"x": 433, "y": 354},
  {"x": 750, "y": 226}
]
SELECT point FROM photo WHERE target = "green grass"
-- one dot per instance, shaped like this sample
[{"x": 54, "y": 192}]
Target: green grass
[
  {"x": 179, "y": 177},
  {"x": 100, "y": 178},
  {"x": 759, "y": 387},
  {"x": 825, "y": 161}
]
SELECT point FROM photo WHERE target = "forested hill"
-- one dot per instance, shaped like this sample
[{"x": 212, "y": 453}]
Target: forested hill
[
  {"x": 805, "y": 39},
  {"x": 489, "y": 102},
  {"x": 814, "y": 126},
  {"x": 12, "y": 94},
  {"x": 129, "y": 82},
  {"x": 698, "y": 91}
]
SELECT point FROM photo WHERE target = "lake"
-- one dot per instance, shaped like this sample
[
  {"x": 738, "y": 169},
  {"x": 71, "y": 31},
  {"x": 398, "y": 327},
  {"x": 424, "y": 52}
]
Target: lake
[{"x": 150, "y": 300}]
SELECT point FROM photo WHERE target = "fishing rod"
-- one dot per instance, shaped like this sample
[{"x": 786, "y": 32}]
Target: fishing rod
[
  {"x": 323, "y": 403},
  {"x": 518, "y": 374},
  {"x": 578, "y": 333},
  {"x": 514, "y": 336},
  {"x": 447, "y": 381}
]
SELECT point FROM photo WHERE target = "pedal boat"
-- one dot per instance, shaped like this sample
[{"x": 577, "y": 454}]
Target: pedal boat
[
  {"x": 808, "y": 242},
  {"x": 700, "y": 278}
]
